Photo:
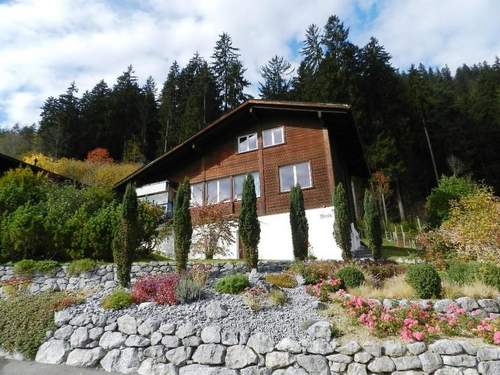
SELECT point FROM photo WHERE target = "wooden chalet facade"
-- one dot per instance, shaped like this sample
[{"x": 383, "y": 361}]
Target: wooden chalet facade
[{"x": 282, "y": 144}]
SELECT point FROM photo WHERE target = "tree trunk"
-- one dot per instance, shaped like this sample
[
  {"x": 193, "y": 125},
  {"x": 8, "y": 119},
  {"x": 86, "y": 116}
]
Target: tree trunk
[{"x": 400, "y": 202}]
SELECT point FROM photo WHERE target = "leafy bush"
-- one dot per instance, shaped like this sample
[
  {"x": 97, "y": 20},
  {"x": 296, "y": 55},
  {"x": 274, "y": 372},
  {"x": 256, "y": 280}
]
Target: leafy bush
[
  {"x": 489, "y": 273},
  {"x": 188, "y": 290},
  {"x": 351, "y": 276},
  {"x": 29, "y": 266},
  {"x": 232, "y": 284},
  {"x": 118, "y": 299},
  {"x": 157, "y": 288},
  {"x": 425, "y": 280},
  {"x": 77, "y": 267},
  {"x": 309, "y": 272},
  {"x": 282, "y": 280},
  {"x": 461, "y": 272},
  {"x": 278, "y": 297},
  {"x": 255, "y": 298},
  {"x": 439, "y": 201},
  {"x": 26, "y": 320}
]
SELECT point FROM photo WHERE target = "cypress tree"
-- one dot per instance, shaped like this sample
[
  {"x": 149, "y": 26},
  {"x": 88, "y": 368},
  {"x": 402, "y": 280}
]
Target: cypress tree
[
  {"x": 298, "y": 223},
  {"x": 125, "y": 241},
  {"x": 342, "y": 223},
  {"x": 249, "y": 226},
  {"x": 373, "y": 230},
  {"x": 183, "y": 228}
]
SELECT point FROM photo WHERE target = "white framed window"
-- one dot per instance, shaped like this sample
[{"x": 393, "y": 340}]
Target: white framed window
[
  {"x": 197, "y": 194},
  {"x": 247, "y": 142},
  {"x": 295, "y": 174},
  {"x": 219, "y": 190},
  {"x": 273, "y": 137},
  {"x": 239, "y": 181}
]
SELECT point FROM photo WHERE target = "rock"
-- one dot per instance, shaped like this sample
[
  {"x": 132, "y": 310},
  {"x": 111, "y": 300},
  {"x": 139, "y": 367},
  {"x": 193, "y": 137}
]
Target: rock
[
  {"x": 239, "y": 356},
  {"x": 442, "y": 305},
  {"x": 467, "y": 303},
  {"x": 167, "y": 328},
  {"x": 320, "y": 346},
  {"x": 318, "y": 305},
  {"x": 390, "y": 303},
  {"x": 216, "y": 310},
  {"x": 469, "y": 348},
  {"x": 489, "y": 305},
  {"x": 394, "y": 348},
  {"x": 110, "y": 340},
  {"x": 255, "y": 370},
  {"x": 148, "y": 327},
  {"x": 170, "y": 341},
  {"x": 340, "y": 358},
  {"x": 185, "y": 330},
  {"x": 137, "y": 341},
  {"x": 79, "y": 338},
  {"x": 462, "y": 360},
  {"x": 276, "y": 360},
  {"x": 148, "y": 367},
  {"x": 356, "y": 369},
  {"x": 320, "y": 330},
  {"x": 349, "y": 348},
  {"x": 488, "y": 353},
  {"x": 52, "y": 352},
  {"x": 410, "y": 362},
  {"x": 127, "y": 324},
  {"x": 261, "y": 343},
  {"x": 110, "y": 327},
  {"x": 62, "y": 317},
  {"x": 156, "y": 338},
  {"x": 205, "y": 370},
  {"x": 210, "y": 354},
  {"x": 381, "y": 364},
  {"x": 416, "y": 348},
  {"x": 191, "y": 341},
  {"x": 362, "y": 357},
  {"x": 95, "y": 333},
  {"x": 446, "y": 346},
  {"x": 85, "y": 357},
  {"x": 244, "y": 335},
  {"x": 155, "y": 352},
  {"x": 145, "y": 305},
  {"x": 430, "y": 361},
  {"x": 374, "y": 348},
  {"x": 63, "y": 333},
  {"x": 489, "y": 368},
  {"x": 128, "y": 361},
  {"x": 470, "y": 371},
  {"x": 289, "y": 345},
  {"x": 337, "y": 367},
  {"x": 110, "y": 360},
  {"x": 313, "y": 364},
  {"x": 230, "y": 337},
  {"x": 179, "y": 356},
  {"x": 98, "y": 320},
  {"x": 448, "y": 371},
  {"x": 211, "y": 335}
]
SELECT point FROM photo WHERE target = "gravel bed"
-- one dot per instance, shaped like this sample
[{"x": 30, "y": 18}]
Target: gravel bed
[{"x": 277, "y": 321}]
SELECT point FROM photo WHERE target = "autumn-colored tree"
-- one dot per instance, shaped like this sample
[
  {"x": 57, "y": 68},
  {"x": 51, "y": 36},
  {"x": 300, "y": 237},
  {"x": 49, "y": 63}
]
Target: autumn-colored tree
[{"x": 99, "y": 155}]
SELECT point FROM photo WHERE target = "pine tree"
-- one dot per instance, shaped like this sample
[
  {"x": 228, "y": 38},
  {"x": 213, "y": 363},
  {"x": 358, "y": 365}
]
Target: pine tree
[
  {"x": 149, "y": 124},
  {"x": 277, "y": 82},
  {"x": 183, "y": 229},
  {"x": 169, "y": 110},
  {"x": 125, "y": 241},
  {"x": 373, "y": 229},
  {"x": 342, "y": 224},
  {"x": 312, "y": 51},
  {"x": 298, "y": 224},
  {"x": 249, "y": 226},
  {"x": 229, "y": 73}
]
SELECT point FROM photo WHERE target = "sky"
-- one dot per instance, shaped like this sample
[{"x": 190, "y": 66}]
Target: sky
[{"x": 47, "y": 44}]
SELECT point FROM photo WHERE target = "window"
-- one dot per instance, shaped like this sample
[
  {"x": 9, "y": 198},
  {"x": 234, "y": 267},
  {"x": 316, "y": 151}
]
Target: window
[
  {"x": 296, "y": 174},
  {"x": 247, "y": 142},
  {"x": 238, "y": 182},
  {"x": 219, "y": 190},
  {"x": 197, "y": 194},
  {"x": 272, "y": 137}
]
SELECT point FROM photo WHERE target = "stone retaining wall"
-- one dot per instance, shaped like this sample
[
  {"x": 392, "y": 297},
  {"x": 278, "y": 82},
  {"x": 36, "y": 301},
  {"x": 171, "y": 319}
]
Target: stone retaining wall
[
  {"x": 151, "y": 347},
  {"x": 104, "y": 276}
]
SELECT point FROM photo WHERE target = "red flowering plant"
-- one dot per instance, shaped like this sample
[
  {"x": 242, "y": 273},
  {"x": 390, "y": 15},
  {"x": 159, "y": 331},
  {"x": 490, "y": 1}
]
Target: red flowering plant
[
  {"x": 324, "y": 286},
  {"x": 489, "y": 329},
  {"x": 156, "y": 288}
]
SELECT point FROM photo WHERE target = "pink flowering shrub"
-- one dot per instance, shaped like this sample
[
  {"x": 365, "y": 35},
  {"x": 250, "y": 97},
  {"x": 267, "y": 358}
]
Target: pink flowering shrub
[
  {"x": 414, "y": 323},
  {"x": 329, "y": 285},
  {"x": 156, "y": 288}
]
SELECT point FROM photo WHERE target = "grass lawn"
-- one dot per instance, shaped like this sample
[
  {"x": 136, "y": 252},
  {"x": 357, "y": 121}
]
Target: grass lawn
[{"x": 393, "y": 252}]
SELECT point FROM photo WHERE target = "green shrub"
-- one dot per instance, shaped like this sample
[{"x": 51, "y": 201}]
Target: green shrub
[
  {"x": 29, "y": 266},
  {"x": 232, "y": 284},
  {"x": 310, "y": 273},
  {"x": 489, "y": 273},
  {"x": 373, "y": 229},
  {"x": 351, "y": 276},
  {"x": 342, "y": 223},
  {"x": 462, "y": 273},
  {"x": 26, "y": 320},
  {"x": 425, "y": 280},
  {"x": 249, "y": 226},
  {"x": 77, "y": 267},
  {"x": 298, "y": 224},
  {"x": 278, "y": 297},
  {"x": 188, "y": 290},
  {"x": 282, "y": 280},
  {"x": 118, "y": 299},
  {"x": 183, "y": 228}
]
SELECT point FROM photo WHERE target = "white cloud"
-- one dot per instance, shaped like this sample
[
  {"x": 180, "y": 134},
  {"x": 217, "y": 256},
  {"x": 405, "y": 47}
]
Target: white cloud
[{"x": 46, "y": 44}]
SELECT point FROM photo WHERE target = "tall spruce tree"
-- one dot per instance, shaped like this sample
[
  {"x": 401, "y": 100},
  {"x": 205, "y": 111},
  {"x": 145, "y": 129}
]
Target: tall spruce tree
[
  {"x": 277, "y": 79},
  {"x": 298, "y": 224},
  {"x": 169, "y": 110},
  {"x": 126, "y": 241},
  {"x": 249, "y": 226},
  {"x": 342, "y": 221},
  {"x": 373, "y": 229},
  {"x": 149, "y": 124},
  {"x": 183, "y": 229}
]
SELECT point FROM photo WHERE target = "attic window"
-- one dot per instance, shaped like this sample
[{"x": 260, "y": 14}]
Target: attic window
[
  {"x": 273, "y": 137},
  {"x": 247, "y": 142}
]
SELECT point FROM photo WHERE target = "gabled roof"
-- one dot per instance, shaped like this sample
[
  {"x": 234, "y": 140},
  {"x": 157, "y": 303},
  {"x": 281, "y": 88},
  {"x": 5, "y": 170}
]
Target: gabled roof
[
  {"x": 245, "y": 108},
  {"x": 8, "y": 162}
]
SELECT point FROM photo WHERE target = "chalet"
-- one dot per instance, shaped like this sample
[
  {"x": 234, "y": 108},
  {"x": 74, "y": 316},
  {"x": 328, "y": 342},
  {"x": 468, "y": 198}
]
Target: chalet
[{"x": 281, "y": 144}]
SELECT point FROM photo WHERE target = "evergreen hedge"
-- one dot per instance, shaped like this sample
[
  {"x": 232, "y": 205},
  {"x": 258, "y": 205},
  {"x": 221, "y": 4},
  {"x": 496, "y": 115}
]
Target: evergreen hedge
[
  {"x": 373, "y": 230},
  {"x": 183, "y": 229},
  {"x": 342, "y": 223},
  {"x": 298, "y": 224},
  {"x": 249, "y": 226}
]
